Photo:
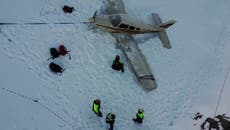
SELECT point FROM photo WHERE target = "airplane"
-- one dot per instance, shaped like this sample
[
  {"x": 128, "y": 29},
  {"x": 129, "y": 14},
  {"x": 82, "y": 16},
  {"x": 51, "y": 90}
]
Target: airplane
[{"x": 115, "y": 20}]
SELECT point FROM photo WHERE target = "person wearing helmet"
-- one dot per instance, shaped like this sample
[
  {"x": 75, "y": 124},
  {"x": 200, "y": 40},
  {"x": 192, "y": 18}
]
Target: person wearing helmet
[
  {"x": 117, "y": 65},
  {"x": 96, "y": 107},
  {"x": 139, "y": 116},
  {"x": 110, "y": 119}
]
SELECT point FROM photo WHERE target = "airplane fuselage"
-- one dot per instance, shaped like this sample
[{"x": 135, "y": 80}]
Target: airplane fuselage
[{"x": 122, "y": 23}]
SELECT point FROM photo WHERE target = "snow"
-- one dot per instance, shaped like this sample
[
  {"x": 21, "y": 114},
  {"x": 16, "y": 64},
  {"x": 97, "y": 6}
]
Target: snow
[{"x": 189, "y": 76}]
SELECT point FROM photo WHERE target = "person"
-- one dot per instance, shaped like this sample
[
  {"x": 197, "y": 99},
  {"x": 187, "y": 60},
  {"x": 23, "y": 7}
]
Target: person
[
  {"x": 110, "y": 119},
  {"x": 139, "y": 116},
  {"x": 117, "y": 65},
  {"x": 96, "y": 107}
]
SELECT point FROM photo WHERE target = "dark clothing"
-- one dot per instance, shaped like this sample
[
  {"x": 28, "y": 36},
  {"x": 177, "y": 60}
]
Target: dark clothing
[
  {"x": 139, "y": 118},
  {"x": 197, "y": 116},
  {"x": 212, "y": 124},
  {"x": 117, "y": 65},
  {"x": 56, "y": 68},
  {"x": 68, "y": 9},
  {"x": 225, "y": 122},
  {"x": 110, "y": 119},
  {"x": 54, "y": 53}
]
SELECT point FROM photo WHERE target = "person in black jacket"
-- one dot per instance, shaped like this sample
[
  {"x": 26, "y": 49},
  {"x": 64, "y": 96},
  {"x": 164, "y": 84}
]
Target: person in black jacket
[
  {"x": 117, "y": 65},
  {"x": 110, "y": 119}
]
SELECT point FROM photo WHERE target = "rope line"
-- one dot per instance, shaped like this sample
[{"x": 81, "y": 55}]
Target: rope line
[
  {"x": 221, "y": 92},
  {"x": 42, "y": 105}
]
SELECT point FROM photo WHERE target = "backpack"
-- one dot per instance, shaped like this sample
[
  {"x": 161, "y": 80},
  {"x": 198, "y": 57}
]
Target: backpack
[
  {"x": 63, "y": 51},
  {"x": 68, "y": 9},
  {"x": 54, "y": 53},
  {"x": 56, "y": 68}
]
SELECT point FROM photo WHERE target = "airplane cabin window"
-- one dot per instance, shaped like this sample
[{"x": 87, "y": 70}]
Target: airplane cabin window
[
  {"x": 115, "y": 20},
  {"x": 123, "y": 26},
  {"x": 131, "y": 27}
]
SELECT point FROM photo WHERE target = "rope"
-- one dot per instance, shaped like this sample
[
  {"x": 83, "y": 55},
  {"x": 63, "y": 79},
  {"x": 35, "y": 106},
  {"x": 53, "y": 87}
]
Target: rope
[
  {"x": 36, "y": 23},
  {"x": 221, "y": 92},
  {"x": 42, "y": 105}
]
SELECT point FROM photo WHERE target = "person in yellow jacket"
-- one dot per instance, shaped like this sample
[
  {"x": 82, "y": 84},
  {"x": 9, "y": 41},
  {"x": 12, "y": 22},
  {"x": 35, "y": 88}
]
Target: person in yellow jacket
[
  {"x": 96, "y": 107},
  {"x": 139, "y": 116}
]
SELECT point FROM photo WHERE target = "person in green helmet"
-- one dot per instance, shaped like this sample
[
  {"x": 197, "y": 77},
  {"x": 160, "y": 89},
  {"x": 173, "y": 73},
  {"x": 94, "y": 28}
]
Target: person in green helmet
[
  {"x": 139, "y": 116},
  {"x": 96, "y": 107},
  {"x": 110, "y": 119}
]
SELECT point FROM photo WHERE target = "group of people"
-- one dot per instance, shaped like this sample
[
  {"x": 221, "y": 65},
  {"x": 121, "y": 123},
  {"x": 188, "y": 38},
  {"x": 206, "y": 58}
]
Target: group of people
[{"x": 110, "y": 117}]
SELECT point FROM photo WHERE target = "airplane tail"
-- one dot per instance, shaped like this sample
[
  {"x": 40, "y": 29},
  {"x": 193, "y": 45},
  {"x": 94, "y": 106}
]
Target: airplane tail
[
  {"x": 162, "y": 34},
  {"x": 168, "y": 24}
]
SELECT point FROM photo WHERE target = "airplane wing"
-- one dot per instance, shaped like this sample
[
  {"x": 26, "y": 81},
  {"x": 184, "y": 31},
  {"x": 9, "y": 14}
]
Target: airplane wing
[
  {"x": 115, "y": 7},
  {"x": 136, "y": 60},
  {"x": 127, "y": 44}
]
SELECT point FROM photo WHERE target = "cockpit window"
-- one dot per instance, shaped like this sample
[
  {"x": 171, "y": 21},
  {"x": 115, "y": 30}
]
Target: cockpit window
[
  {"x": 123, "y": 26},
  {"x": 138, "y": 29},
  {"x": 131, "y": 27},
  {"x": 115, "y": 20}
]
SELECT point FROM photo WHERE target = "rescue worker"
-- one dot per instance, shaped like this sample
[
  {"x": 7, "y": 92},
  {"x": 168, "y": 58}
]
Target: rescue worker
[
  {"x": 110, "y": 119},
  {"x": 139, "y": 116},
  {"x": 96, "y": 107},
  {"x": 117, "y": 65}
]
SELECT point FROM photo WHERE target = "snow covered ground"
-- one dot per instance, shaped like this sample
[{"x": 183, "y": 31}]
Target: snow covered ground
[{"x": 189, "y": 76}]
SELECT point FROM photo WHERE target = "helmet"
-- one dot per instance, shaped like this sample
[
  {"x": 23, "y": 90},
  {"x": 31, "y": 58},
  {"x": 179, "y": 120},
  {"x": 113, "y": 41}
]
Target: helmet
[
  {"x": 97, "y": 101},
  {"x": 140, "y": 110},
  {"x": 117, "y": 58},
  {"x": 113, "y": 116}
]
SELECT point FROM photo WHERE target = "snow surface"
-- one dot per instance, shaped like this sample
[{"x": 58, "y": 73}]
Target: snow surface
[{"x": 189, "y": 76}]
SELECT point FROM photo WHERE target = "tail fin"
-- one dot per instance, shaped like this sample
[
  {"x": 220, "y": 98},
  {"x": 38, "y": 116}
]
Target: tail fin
[{"x": 168, "y": 24}]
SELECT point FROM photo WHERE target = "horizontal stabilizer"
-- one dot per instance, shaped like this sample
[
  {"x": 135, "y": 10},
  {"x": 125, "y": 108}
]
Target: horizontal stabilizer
[
  {"x": 163, "y": 35},
  {"x": 164, "y": 39},
  {"x": 167, "y": 24}
]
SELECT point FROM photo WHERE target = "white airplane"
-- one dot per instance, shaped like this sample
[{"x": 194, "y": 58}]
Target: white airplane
[{"x": 115, "y": 20}]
